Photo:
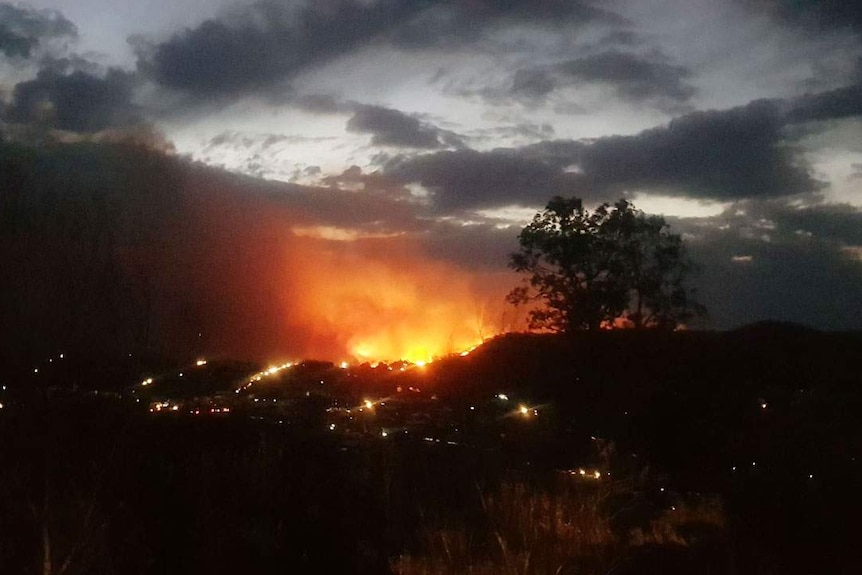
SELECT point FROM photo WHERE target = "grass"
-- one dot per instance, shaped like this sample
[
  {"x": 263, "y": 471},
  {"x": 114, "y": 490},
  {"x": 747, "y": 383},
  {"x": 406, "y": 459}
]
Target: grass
[{"x": 572, "y": 527}]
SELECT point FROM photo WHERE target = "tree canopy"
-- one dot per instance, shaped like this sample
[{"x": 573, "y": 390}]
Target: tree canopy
[{"x": 614, "y": 266}]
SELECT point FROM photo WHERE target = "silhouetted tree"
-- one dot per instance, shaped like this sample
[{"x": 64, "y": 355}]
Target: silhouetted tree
[{"x": 614, "y": 265}]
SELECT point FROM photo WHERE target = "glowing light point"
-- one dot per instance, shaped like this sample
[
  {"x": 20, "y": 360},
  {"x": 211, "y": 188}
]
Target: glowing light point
[
  {"x": 597, "y": 474},
  {"x": 383, "y": 433},
  {"x": 582, "y": 472},
  {"x": 502, "y": 397},
  {"x": 763, "y": 405},
  {"x": 200, "y": 362},
  {"x": 524, "y": 410},
  {"x": 810, "y": 475},
  {"x": 1, "y": 406},
  {"x": 344, "y": 365},
  {"x": 147, "y": 381},
  {"x": 421, "y": 363},
  {"x": 368, "y": 404},
  {"x": 331, "y": 427},
  {"x": 62, "y": 356},
  {"x": 36, "y": 370}
]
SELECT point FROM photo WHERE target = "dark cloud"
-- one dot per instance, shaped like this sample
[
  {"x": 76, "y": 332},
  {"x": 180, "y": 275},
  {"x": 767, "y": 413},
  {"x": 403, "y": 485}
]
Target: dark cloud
[
  {"x": 534, "y": 82},
  {"x": 470, "y": 179},
  {"x": 742, "y": 152},
  {"x": 739, "y": 153},
  {"x": 772, "y": 260},
  {"x": 262, "y": 45},
  {"x": 837, "y": 224},
  {"x": 814, "y": 14},
  {"x": 23, "y": 28},
  {"x": 832, "y": 105},
  {"x": 635, "y": 77},
  {"x": 268, "y": 42},
  {"x": 13, "y": 44},
  {"x": 390, "y": 127},
  {"x": 448, "y": 25},
  {"x": 735, "y": 153},
  {"x": 79, "y": 101}
]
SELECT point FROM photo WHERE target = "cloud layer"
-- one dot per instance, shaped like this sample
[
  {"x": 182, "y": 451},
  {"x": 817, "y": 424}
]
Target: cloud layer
[{"x": 347, "y": 143}]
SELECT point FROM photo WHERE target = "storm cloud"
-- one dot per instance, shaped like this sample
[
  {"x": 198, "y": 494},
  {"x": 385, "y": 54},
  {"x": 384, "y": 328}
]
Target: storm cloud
[
  {"x": 23, "y": 28},
  {"x": 266, "y": 43},
  {"x": 471, "y": 179},
  {"x": 78, "y": 101},
  {"x": 375, "y": 139},
  {"x": 390, "y": 127},
  {"x": 633, "y": 77}
]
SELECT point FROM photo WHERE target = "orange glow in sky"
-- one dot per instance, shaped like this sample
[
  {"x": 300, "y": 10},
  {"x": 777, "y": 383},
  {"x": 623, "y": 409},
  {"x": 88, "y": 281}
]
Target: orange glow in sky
[
  {"x": 378, "y": 300},
  {"x": 250, "y": 276}
]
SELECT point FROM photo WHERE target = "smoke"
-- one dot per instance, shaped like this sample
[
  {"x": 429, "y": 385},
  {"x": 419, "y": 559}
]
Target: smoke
[{"x": 186, "y": 260}]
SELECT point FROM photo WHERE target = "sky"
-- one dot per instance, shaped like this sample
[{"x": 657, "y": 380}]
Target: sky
[{"x": 407, "y": 141}]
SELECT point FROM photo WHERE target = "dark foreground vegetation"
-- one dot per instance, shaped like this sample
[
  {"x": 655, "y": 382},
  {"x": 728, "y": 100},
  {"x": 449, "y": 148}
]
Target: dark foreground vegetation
[{"x": 722, "y": 453}]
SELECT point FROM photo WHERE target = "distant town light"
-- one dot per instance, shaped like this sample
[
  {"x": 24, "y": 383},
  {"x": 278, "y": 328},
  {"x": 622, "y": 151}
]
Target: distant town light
[
  {"x": 200, "y": 362},
  {"x": 502, "y": 397}
]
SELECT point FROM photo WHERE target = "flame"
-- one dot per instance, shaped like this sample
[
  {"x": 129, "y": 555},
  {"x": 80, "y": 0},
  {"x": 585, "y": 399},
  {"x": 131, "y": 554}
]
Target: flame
[
  {"x": 389, "y": 304},
  {"x": 263, "y": 276}
]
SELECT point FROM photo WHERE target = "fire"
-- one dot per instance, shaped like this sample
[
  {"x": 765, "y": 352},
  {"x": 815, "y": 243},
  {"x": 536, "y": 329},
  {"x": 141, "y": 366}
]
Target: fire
[
  {"x": 380, "y": 301},
  {"x": 264, "y": 276}
]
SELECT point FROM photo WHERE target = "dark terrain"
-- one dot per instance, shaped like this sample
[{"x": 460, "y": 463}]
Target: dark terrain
[{"x": 763, "y": 419}]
